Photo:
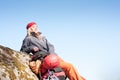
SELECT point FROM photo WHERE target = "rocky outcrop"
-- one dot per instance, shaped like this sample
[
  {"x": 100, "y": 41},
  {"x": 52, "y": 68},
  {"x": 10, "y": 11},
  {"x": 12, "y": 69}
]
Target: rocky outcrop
[{"x": 14, "y": 65}]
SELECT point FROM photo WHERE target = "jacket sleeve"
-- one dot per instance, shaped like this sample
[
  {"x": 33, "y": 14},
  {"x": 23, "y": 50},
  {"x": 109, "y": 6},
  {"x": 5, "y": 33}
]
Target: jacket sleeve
[{"x": 26, "y": 47}]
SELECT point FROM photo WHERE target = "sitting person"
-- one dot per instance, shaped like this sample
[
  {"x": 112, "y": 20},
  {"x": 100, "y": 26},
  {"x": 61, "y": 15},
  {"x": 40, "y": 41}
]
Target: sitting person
[{"x": 35, "y": 42}]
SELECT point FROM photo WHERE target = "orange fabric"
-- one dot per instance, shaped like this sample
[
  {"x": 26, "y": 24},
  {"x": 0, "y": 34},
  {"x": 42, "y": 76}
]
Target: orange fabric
[
  {"x": 70, "y": 71},
  {"x": 35, "y": 65}
]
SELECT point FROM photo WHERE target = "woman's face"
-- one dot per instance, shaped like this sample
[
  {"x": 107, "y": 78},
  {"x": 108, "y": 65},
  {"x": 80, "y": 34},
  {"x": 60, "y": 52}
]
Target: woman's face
[{"x": 34, "y": 28}]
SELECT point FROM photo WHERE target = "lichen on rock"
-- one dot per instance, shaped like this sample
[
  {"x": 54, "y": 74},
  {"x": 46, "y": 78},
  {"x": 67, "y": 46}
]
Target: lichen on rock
[{"x": 14, "y": 65}]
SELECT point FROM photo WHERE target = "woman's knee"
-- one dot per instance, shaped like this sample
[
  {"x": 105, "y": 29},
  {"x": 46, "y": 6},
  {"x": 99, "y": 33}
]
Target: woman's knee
[{"x": 32, "y": 63}]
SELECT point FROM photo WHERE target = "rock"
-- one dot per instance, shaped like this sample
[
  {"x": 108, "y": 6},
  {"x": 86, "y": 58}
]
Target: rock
[{"x": 14, "y": 65}]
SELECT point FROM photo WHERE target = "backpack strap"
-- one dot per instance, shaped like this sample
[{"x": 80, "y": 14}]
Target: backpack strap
[{"x": 58, "y": 69}]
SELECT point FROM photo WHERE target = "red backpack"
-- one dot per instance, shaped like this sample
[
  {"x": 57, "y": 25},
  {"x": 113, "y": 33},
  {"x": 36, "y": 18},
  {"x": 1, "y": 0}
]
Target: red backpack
[{"x": 50, "y": 68}]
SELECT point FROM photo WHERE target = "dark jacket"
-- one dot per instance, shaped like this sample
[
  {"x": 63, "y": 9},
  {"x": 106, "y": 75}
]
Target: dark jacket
[{"x": 30, "y": 42}]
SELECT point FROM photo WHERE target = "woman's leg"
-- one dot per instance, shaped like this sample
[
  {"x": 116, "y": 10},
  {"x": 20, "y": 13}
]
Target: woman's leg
[
  {"x": 70, "y": 71},
  {"x": 35, "y": 65}
]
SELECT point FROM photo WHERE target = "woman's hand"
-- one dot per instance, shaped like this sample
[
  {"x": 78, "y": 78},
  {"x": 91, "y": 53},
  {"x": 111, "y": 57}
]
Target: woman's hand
[{"x": 36, "y": 49}]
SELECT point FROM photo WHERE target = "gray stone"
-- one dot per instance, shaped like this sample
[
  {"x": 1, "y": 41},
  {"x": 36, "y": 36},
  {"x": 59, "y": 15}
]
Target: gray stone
[{"x": 14, "y": 65}]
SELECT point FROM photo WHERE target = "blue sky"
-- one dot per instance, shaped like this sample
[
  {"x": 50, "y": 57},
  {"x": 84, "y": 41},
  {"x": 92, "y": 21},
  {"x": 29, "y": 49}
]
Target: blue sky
[{"x": 85, "y": 33}]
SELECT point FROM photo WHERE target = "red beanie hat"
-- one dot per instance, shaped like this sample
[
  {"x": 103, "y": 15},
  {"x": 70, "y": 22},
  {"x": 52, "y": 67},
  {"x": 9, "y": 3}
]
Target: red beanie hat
[{"x": 30, "y": 24}]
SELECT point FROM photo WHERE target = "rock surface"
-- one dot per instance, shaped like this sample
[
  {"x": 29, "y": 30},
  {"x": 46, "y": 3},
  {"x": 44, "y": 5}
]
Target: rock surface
[{"x": 14, "y": 65}]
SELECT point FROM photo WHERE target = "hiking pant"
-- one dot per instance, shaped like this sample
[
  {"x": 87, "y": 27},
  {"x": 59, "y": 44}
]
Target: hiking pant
[
  {"x": 70, "y": 71},
  {"x": 68, "y": 68}
]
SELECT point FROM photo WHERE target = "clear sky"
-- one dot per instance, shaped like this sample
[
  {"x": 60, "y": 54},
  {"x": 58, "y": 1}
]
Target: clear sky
[{"x": 85, "y": 33}]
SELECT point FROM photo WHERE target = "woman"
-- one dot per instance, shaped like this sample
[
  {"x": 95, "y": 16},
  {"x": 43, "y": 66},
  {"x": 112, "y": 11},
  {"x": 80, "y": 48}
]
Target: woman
[{"x": 35, "y": 42}]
